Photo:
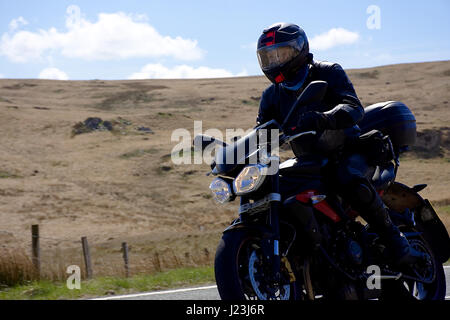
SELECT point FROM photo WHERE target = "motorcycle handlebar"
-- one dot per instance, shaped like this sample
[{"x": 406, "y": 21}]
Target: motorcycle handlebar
[{"x": 295, "y": 136}]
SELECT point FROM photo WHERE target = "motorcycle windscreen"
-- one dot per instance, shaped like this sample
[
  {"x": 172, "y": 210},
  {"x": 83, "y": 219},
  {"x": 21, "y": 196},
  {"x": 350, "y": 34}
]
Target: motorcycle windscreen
[
  {"x": 230, "y": 157},
  {"x": 247, "y": 149}
]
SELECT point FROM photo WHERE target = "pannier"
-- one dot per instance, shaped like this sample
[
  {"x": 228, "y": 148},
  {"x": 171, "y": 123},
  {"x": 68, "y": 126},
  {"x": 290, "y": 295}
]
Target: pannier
[{"x": 394, "y": 119}]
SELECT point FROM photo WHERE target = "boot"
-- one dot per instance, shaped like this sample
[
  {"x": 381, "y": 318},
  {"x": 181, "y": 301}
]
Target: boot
[{"x": 402, "y": 253}]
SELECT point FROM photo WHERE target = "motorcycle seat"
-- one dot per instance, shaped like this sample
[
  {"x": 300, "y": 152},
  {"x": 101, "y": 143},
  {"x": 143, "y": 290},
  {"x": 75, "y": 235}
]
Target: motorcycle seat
[
  {"x": 304, "y": 165},
  {"x": 382, "y": 177}
]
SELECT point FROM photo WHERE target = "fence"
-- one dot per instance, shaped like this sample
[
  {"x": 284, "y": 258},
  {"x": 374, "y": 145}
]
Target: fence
[{"x": 50, "y": 261}]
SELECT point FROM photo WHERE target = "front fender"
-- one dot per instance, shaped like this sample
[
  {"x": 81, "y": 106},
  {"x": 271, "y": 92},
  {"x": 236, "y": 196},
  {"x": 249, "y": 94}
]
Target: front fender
[
  {"x": 399, "y": 197},
  {"x": 252, "y": 228}
]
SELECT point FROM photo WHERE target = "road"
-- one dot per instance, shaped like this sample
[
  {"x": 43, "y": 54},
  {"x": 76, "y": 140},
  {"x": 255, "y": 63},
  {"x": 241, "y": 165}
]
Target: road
[{"x": 205, "y": 293}]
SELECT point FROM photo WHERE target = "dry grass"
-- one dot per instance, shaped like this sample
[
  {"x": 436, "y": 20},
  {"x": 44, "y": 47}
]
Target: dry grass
[
  {"x": 15, "y": 267},
  {"x": 107, "y": 258}
]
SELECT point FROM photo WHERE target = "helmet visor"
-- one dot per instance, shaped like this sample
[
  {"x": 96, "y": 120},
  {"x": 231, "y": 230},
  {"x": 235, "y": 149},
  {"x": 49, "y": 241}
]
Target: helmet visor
[{"x": 277, "y": 55}]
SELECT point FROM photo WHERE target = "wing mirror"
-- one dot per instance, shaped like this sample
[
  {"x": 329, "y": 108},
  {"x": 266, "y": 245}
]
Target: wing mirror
[{"x": 313, "y": 93}]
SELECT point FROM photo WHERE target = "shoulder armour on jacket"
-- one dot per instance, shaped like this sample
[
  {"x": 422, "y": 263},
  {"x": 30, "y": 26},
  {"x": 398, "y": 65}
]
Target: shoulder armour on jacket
[{"x": 323, "y": 64}]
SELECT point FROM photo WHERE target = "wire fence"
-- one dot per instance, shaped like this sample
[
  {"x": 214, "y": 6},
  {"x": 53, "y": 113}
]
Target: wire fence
[{"x": 44, "y": 257}]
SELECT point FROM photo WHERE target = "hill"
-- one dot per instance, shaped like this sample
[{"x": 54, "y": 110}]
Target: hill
[{"x": 120, "y": 185}]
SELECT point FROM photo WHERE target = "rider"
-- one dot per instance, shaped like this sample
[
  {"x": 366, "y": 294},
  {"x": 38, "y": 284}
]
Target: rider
[{"x": 284, "y": 57}]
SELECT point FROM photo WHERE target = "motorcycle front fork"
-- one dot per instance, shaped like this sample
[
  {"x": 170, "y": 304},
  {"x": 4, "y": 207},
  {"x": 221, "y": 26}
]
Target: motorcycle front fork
[
  {"x": 271, "y": 244},
  {"x": 270, "y": 239}
]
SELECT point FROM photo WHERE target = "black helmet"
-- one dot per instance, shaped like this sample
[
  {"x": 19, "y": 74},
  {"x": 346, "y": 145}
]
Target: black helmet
[{"x": 283, "y": 51}]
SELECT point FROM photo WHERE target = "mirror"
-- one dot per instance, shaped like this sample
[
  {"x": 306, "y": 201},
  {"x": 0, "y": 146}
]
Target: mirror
[{"x": 313, "y": 93}]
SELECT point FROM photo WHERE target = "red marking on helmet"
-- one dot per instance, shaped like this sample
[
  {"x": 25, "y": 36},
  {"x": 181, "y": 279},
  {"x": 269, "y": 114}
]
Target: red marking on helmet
[
  {"x": 279, "y": 78},
  {"x": 270, "y": 35}
]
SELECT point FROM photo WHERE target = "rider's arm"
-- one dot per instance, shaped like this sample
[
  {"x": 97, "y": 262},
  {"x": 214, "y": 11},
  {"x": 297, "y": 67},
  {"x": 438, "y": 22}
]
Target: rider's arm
[
  {"x": 266, "y": 107},
  {"x": 348, "y": 111}
]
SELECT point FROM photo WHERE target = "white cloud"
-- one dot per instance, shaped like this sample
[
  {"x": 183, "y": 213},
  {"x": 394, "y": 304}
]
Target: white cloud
[
  {"x": 332, "y": 38},
  {"x": 251, "y": 45},
  {"x": 53, "y": 74},
  {"x": 16, "y": 23},
  {"x": 1, "y": 76},
  {"x": 113, "y": 36},
  {"x": 158, "y": 71}
]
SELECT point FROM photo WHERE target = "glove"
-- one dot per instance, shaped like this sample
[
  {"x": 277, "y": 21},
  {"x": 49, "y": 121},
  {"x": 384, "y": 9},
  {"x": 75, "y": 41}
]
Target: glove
[{"x": 313, "y": 121}]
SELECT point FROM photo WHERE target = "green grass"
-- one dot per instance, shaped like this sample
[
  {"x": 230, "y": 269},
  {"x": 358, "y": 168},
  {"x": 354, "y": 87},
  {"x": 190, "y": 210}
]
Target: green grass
[
  {"x": 47, "y": 290},
  {"x": 444, "y": 209},
  {"x": 8, "y": 175}
]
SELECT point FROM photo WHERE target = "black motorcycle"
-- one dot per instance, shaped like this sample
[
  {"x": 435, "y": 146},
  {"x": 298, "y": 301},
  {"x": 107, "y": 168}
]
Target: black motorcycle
[{"x": 296, "y": 239}]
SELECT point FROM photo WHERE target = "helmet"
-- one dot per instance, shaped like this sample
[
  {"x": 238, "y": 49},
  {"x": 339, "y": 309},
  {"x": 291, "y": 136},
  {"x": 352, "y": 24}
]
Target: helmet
[{"x": 283, "y": 52}]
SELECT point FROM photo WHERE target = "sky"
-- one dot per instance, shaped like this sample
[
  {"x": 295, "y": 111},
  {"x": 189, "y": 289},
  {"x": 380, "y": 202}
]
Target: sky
[{"x": 143, "y": 39}]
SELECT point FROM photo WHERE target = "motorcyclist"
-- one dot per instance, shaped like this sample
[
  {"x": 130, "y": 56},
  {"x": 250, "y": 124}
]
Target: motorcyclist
[{"x": 284, "y": 57}]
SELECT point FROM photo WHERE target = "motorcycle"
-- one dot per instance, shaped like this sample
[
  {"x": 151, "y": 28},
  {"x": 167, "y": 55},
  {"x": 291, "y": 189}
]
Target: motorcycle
[{"x": 297, "y": 239}]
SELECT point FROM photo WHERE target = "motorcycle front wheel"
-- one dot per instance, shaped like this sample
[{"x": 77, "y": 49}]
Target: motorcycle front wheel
[{"x": 241, "y": 273}]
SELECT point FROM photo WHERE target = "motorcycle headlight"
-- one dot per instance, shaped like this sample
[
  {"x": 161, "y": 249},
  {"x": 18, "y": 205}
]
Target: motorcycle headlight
[
  {"x": 221, "y": 190},
  {"x": 250, "y": 179}
]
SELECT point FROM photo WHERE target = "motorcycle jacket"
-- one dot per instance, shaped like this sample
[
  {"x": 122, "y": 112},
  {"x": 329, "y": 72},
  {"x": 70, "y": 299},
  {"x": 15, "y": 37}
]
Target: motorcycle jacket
[{"x": 340, "y": 104}]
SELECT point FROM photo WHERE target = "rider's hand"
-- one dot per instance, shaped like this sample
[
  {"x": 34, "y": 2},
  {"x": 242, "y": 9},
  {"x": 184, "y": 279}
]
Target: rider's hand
[{"x": 312, "y": 121}]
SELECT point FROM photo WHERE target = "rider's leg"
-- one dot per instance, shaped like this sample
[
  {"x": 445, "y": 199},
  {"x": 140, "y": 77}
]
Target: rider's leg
[{"x": 362, "y": 196}]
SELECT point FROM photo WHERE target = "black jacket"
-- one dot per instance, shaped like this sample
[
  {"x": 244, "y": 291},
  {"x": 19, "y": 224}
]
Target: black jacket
[{"x": 340, "y": 103}]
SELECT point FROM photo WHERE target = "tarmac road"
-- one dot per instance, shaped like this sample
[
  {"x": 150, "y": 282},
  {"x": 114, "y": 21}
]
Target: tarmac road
[{"x": 206, "y": 293}]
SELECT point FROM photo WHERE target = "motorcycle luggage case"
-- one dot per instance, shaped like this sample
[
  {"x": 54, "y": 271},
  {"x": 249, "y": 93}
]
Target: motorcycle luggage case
[{"x": 392, "y": 118}]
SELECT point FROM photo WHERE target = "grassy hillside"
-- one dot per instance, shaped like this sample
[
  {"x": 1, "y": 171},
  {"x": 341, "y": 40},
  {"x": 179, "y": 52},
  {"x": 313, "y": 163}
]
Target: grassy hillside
[{"x": 120, "y": 185}]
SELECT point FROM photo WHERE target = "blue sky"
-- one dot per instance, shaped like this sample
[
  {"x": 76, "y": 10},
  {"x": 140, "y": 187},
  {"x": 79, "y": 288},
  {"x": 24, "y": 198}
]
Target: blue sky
[{"x": 179, "y": 39}]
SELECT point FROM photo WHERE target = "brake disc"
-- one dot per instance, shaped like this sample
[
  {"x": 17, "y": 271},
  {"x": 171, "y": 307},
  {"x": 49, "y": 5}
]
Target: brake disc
[{"x": 257, "y": 280}]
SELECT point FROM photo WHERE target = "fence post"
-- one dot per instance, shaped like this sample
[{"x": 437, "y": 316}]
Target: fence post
[
  {"x": 125, "y": 258},
  {"x": 87, "y": 257},
  {"x": 35, "y": 250}
]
